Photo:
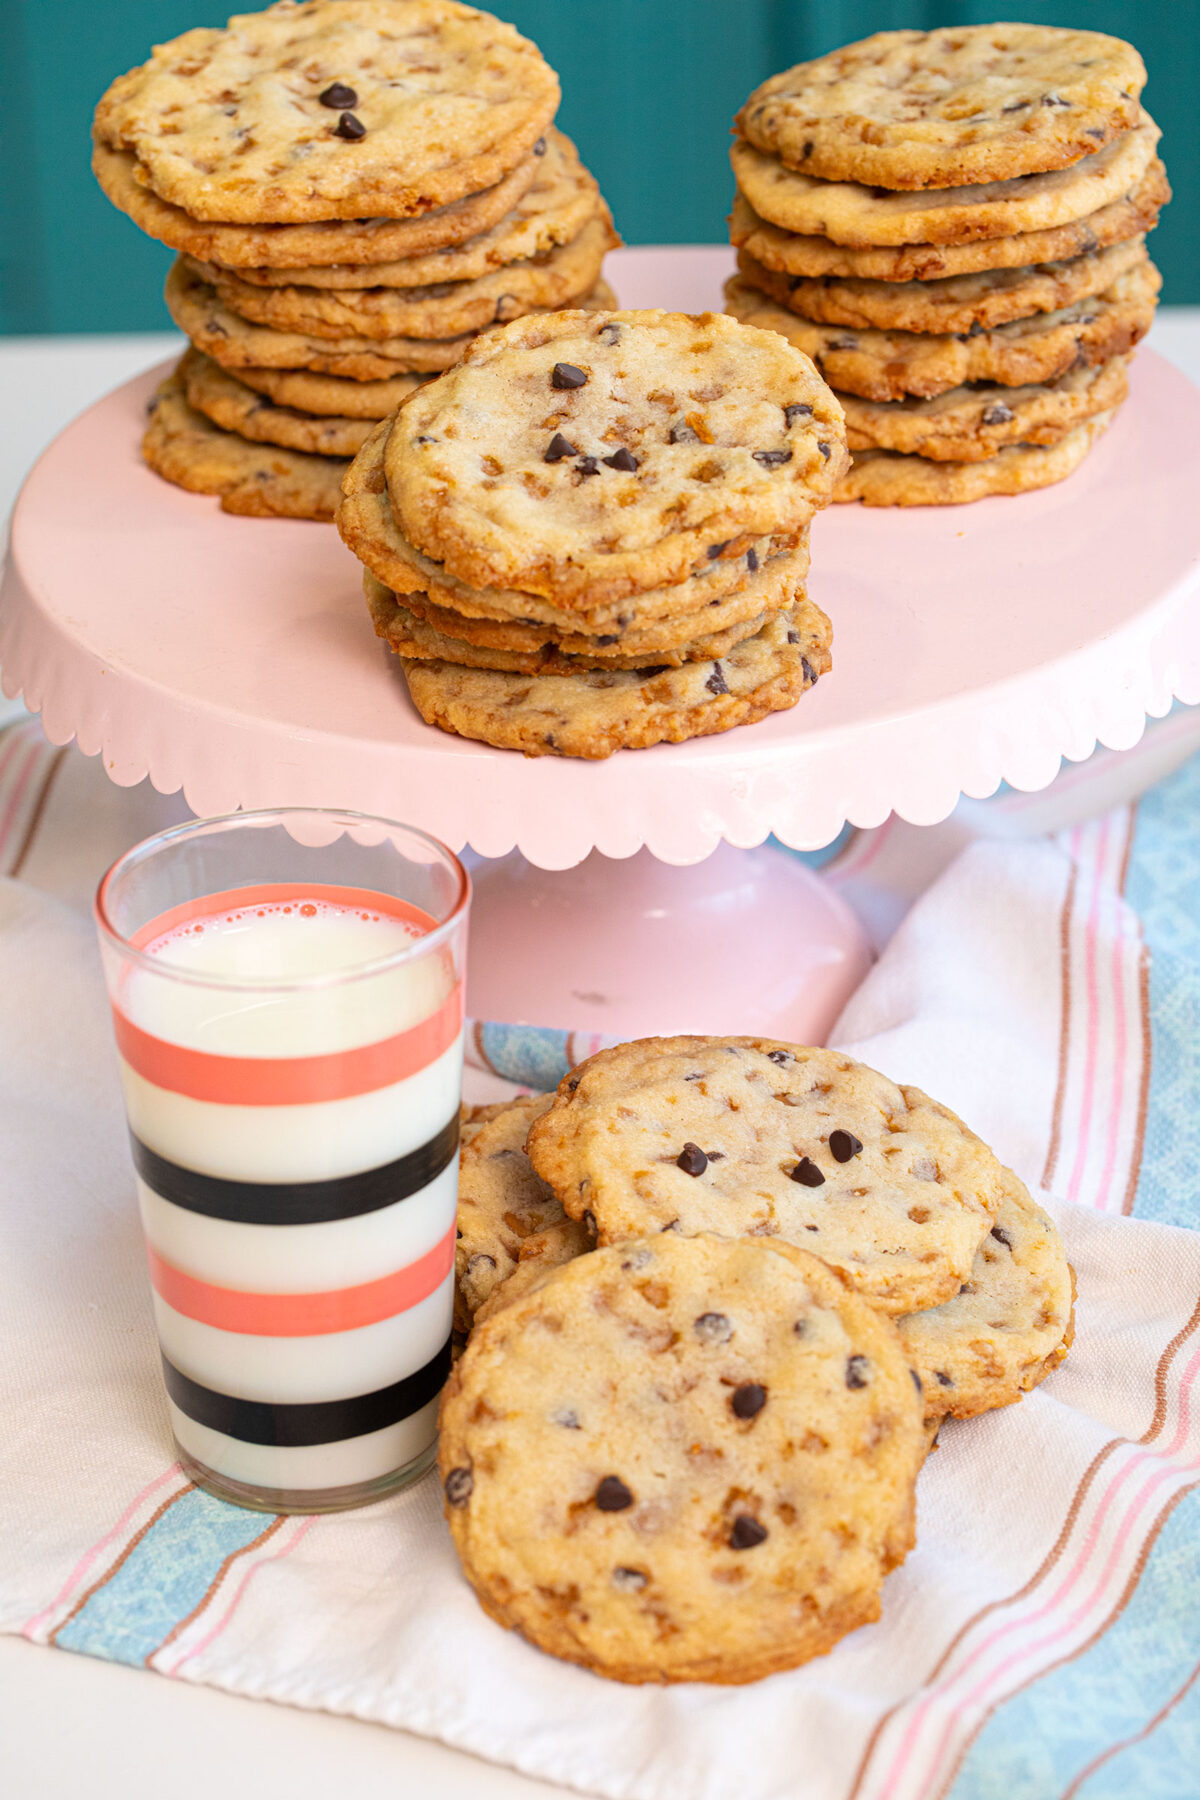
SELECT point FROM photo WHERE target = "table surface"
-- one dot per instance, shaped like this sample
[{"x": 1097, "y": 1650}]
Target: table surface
[{"x": 67, "y": 1723}]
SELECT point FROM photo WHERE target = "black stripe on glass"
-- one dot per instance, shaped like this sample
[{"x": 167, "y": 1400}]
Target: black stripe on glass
[
  {"x": 317, "y": 1422},
  {"x": 297, "y": 1202}
]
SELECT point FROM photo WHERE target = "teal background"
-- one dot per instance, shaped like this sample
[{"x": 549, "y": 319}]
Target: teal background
[{"x": 649, "y": 89}]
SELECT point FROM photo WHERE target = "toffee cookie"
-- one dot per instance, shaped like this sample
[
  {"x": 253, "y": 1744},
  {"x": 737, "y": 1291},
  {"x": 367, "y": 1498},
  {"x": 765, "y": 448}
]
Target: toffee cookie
[
  {"x": 888, "y": 365},
  {"x": 686, "y": 1459},
  {"x": 552, "y": 212},
  {"x": 336, "y": 109},
  {"x": 221, "y": 397},
  {"x": 367, "y": 523},
  {"x": 864, "y": 217},
  {"x": 587, "y": 458},
  {"x": 501, "y": 1202},
  {"x": 187, "y": 449},
  {"x": 884, "y": 478},
  {"x": 541, "y": 1254},
  {"x": 324, "y": 244},
  {"x": 923, "y": 109},
  {"x": 414, "y": 638},
  {"x": 818, "y": 257},
  {"x": 952, "y": 302},
  {"x": 969, "y": 424},
  {"x": 592, "y": 714},
  {"x": 746, "y": 1136},
  {"x": 473, "y": 1118},
  {"x": 1008, "y": 1327},
  {"x": 559, "y": 278}
]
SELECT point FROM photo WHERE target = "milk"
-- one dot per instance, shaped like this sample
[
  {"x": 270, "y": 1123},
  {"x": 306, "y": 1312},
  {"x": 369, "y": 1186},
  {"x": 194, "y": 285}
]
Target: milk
[{"x": 296, "y": 1162}]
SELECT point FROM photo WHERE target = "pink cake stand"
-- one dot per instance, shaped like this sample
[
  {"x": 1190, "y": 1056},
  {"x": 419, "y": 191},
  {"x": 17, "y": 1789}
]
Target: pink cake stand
[{"x": 232, "y": 659}]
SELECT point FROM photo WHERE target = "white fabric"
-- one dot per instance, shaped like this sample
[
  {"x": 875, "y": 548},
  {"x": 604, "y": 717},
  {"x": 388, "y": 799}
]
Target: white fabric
[{"x": 367, "y": 1613}]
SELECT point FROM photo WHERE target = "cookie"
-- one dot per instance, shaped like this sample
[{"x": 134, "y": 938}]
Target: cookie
[
  {"x": 818, "y": 257},
  {"x": 586, "y": 459},
  {"x": 501, "y": 1202},
  {"x": 751, "y": 1137},
  {"x": 552, "y": 212},
  {"x": 888, "y": 365},
  {"x": 951, "y": 303},
  {"x": 885, "y": 478},
  {"x": 926, "y": 109},
  {"x": 968, "y": 424},
  {"x": 559, "y": 278},
  {"x": 236, "y": 343},
  {"x": 660, "y": 640},
  {"x": 591, "y": 715},
  {"x": 1010, "y": 1324},
  {"x": 541, "y": 1254},
  {"x": 340, "y": 397},
  {"x": 221, "y": 397},
  {"x": 324, "y": 244},
  {"x": 413, "y": 637},
  {"x": 334, "y": 109},
  {"x": 864, "y": 217},
  {"x": 682, "y": 1460},
  {"x": 186, "y": 448},
  {"x": 473, "y": 1118},
  {"x": 366, "y": 522}
]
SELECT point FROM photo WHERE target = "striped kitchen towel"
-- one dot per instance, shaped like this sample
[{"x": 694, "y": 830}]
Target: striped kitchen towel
[{"x": 1042, "y": 1641}]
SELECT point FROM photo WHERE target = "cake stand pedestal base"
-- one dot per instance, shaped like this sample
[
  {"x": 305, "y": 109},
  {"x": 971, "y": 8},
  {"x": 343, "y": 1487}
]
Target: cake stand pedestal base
[{"x": 746, "y": 942}]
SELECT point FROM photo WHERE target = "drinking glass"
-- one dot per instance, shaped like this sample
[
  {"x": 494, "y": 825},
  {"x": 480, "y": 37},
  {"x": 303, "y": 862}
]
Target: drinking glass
[{"x": 287, "y": 999}]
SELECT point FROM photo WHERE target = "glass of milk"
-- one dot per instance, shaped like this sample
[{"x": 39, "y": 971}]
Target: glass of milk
[{"x": 287, "y": 998}]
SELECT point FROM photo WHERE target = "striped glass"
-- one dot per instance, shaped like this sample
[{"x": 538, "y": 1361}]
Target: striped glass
[{"x": 287, "y": 998}]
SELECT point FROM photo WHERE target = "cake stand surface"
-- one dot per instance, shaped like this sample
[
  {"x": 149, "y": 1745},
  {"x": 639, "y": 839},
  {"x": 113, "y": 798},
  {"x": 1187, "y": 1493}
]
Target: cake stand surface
[{"x": 233, "y": 658}]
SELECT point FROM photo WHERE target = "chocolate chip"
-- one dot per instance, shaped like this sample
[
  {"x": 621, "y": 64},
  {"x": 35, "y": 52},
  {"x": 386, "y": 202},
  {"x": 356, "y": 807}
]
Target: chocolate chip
[
  {"x": 566, "y": 375},
  {"x": 589, "y": 1220},
  {"x": 772, "y": 459},
  {"x": 843, "y": 1145},
  {"x": 588, "y": 465},
  {"x": 976, "y": 329},
  {"x": 807, "y": 1173},
  {"x": 780, "y": 1057},
  {"x": 999, "y": 414},
  {"x": 793, "y": 637},
  {"x": 539, "y": 149},
  {"x": 458, "y": 1486},
  {"x": 843, "y": 343},
  {"x": 350, "y": 128},
  {"x": 917, "y": 1382},
  {"x": 825, "y": 451},
  {"x": 573, "y": 1084},
  {"x": 716, "y": 683},
  {"x": 748, "y": 1400},
  {"x": 946, "y": 1380},
  {"x": 746, "y": 1533},
  {"x": 715, "y": 550},
  {"x": 692, "y": 1160},
  {"x": 683, "y": 434},
  {"x": 629, "y": 1581},
  {"x": 800, "y": 1328},
  {"x": 621, "y": 459},
  {"x": 610, "y": 637},
  {"x": 796, "y": 410},
  {"x": 612, "y": 1495},
  {"x": 1054, "y": 100},
  {"x": 807, "y": 150},
  {"x": 507, "y": 307},
  {"x": 696, "y": 1075},
  {"x": 1015, "y": 106},
  {"x": 638, "y": 1258},
  {"x": 567, "y": 1418},
  {"x": 480, "y": 1261},
  {"x": 338, "y": 96},
  {"x": 713, "y": 1328},
  {"x": 858, "y": 1371},
  {"x": 557, "y": 448},
  {"x": 752, "y": 560},
  {"x": 458, "y": 1232},
  {"x": 425, "y": 440},
  {"x": 1002, "y": 1237},
  {"x": 609, "y": 332}
]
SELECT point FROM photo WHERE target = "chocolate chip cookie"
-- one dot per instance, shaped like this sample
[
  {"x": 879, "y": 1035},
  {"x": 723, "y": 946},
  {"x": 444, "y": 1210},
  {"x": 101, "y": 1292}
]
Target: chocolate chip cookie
[
  {"x": 501, "y": 1202},
  {"x": 593, "y": 714},
  {"x": 747, "y": 1136},
  {"x": 686, "y": 1459},
  {"x": 587, "y": 458},
  {"x": 969, "y": 103},
  {"x": 334, "y": 109},
  {"x": 885, "y": 478},
  {"x": 221, "y": 397}
]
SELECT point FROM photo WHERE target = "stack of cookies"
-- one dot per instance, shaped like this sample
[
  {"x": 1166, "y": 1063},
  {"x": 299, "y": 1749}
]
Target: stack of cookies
[
  {"x": 720, "y": 1296},
  {"x": 593, "y": 533},
  {"x": 356, "y": 188},
  {"x": 952, "y": 224}
]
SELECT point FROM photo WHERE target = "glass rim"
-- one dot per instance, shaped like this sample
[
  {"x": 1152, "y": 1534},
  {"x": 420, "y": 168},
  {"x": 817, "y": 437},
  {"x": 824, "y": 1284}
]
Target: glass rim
[{"x": 146, "y": 847}]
